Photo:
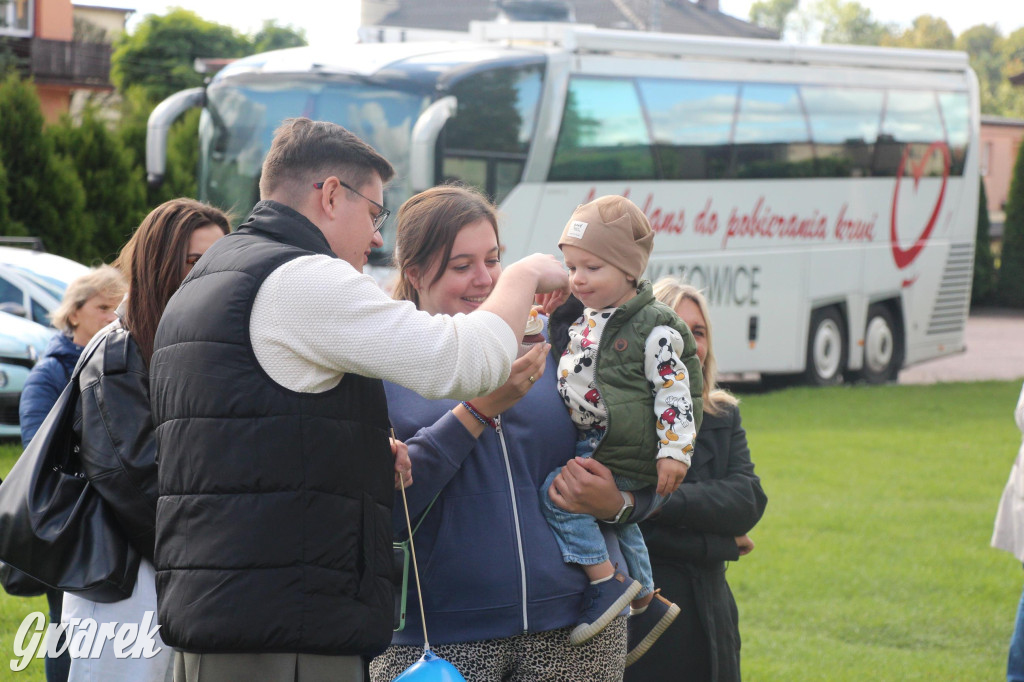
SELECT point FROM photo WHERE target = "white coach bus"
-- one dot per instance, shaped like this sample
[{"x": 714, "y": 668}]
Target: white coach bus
[{"x": 824, "y": 197}]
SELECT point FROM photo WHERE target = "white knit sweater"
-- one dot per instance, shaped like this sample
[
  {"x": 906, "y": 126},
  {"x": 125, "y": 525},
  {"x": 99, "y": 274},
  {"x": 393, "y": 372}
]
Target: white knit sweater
[{"x": 316, "y": 318}]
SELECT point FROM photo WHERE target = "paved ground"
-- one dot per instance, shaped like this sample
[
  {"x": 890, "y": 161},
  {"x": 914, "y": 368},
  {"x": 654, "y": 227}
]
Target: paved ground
[{"x": 995, "y": 350}]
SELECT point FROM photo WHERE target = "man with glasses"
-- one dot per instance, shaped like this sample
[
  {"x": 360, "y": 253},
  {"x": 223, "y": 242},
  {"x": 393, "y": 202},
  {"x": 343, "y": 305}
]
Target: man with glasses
[{"x": 273, "y": 548}]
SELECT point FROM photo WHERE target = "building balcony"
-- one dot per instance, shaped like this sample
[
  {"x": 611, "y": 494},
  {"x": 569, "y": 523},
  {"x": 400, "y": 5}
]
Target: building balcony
[
  {"x": 75, "y": 64},
  {"x": 60, "y": 62}
]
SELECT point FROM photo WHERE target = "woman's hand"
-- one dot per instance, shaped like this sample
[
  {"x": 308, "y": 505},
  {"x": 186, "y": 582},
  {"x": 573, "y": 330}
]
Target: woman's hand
[
  {"x": 525, "y": 372},
  {"x": 745, "y": 545},
  {"x": 585, "y": 486},
  {"x": 403, "y": 465}
]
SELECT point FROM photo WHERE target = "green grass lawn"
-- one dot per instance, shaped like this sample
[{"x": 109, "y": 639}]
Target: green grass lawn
[{"x": 873, "y": 560}]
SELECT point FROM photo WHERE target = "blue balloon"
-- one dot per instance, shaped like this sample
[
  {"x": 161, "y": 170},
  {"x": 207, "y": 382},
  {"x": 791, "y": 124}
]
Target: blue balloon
[{"x": 430, "y": 668}]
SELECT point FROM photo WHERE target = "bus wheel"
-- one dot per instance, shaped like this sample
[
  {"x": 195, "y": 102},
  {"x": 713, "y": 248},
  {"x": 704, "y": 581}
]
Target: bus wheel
[
  {"x": 882, "y": 356},
  {"x": 826, "y": 348}
]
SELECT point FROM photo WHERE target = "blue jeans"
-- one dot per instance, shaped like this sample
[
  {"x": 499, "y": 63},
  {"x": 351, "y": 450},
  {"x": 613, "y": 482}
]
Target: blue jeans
[
  {"x": 57, "y": 669},
  {"x": 1015, "y": 662},
  {"x": 579, "y": 537}
]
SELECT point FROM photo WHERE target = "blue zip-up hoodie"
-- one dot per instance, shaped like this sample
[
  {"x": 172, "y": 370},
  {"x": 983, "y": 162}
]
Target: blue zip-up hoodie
[
  {"x": 45, "y": 383},
  {"x": 488, "y": 560}
]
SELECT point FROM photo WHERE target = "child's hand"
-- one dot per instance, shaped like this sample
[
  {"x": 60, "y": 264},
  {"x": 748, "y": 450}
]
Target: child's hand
[
  {"x": 671, "y": 473},
  {"x": 549, "y": 302}
]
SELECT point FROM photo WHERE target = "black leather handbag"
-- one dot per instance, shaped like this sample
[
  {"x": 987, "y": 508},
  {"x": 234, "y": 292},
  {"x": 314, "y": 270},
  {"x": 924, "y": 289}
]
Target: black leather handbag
[
  {"x": 54, "y": 525},
  {"x": 19, "y": 584}
]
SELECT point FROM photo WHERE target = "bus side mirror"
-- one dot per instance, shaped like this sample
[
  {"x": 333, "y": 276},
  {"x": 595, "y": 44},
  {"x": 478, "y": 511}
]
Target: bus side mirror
[
  {"x": 159, "y": 125},
  {"x": 423, "y": 145}
]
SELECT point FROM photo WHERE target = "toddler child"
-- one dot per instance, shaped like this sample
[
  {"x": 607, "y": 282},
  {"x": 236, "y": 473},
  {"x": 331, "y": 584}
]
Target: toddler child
[{"x": 632, "y": 382}]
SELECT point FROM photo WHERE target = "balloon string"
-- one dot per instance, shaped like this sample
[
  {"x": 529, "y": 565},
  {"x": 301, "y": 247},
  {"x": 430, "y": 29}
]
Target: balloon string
[{"x": 415, "y": 567}]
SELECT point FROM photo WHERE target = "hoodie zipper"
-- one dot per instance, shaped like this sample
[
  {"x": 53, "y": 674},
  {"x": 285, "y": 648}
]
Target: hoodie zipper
[{"x": 515, "y": 516}]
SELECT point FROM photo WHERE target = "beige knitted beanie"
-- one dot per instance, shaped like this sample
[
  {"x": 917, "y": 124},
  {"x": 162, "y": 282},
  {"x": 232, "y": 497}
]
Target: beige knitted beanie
[{"x": 614, "y": 229}]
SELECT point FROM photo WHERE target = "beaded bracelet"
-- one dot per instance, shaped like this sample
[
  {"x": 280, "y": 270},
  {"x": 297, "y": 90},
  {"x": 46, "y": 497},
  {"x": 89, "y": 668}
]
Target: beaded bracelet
[{"x": 479, "y": 416}]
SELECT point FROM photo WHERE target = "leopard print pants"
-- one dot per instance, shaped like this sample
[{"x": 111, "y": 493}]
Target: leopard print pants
[{"x": 537, "y": 657}]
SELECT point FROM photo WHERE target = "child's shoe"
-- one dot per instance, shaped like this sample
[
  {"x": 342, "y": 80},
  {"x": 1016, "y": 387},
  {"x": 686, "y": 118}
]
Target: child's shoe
[
  {"x": 601, "y": 603},
  {"x": 646, "y": 628}
]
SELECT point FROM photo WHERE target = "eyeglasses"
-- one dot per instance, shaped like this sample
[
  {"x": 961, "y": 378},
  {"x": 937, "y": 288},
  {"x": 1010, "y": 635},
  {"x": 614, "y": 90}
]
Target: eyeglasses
[{"x": 382, "y": 214}]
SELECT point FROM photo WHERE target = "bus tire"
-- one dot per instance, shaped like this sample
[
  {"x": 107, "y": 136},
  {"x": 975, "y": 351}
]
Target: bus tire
[
  {"x": 826, "y": 348},
  {"x": 883, "y": 346}
]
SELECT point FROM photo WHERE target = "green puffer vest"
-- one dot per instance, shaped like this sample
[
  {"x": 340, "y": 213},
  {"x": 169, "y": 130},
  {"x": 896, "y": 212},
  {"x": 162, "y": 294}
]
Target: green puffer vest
[{"x": 630, "y": 445}]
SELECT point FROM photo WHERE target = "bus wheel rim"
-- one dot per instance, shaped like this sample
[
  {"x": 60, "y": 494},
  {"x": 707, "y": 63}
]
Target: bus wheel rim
[
  {"x": 827, "y": 349},
  {"x": 878, "y": 345}
]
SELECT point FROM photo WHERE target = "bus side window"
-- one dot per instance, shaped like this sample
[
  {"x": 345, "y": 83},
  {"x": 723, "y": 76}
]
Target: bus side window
[
  {"x": 603, "y": 135},
  {"x": 956, "y": 116},
  {"x": 911, "y": 119},
  {"x": 691, "y": 123},
  {"x": 772, "y": 138},
  {"x": 485, "y": 144},
  {"x": 844, "y": 127}
]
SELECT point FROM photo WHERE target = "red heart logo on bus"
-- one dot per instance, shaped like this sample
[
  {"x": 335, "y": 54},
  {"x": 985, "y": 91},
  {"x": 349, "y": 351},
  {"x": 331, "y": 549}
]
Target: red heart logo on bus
[{"x": 905, "y": 257}]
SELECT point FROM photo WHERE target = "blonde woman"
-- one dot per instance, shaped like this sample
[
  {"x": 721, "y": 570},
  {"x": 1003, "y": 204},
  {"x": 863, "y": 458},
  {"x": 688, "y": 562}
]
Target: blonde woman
[
  {"x": 89, "y": 305},
  {"x": 704, "y": 524}
]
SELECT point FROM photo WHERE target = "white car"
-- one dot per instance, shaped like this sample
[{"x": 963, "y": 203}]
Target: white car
[
  {"x": 32, "y": 283},
  {"x": 22, "y": 343}
]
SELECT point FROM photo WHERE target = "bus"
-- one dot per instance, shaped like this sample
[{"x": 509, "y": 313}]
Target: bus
[{"x": 825, "y": 198}]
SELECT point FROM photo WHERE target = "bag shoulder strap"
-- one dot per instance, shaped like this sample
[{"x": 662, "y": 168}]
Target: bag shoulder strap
[
  {"x": 424, "y": 514},
  {"x": 420, "y": 520}
]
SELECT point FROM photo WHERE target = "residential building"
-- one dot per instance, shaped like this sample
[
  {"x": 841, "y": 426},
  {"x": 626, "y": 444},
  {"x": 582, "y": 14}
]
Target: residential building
[
  {"x": 62, "y": 47},
  {"x": 1000, "y": 140},
  {"x": 701, "y": 17}
]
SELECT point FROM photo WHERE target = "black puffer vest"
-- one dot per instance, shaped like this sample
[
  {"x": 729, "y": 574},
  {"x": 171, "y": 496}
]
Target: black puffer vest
[{"x": 274, "y": 518}]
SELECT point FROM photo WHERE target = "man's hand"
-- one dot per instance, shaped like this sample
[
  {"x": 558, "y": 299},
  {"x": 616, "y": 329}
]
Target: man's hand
[
  {"x": 671, "y": 473},
  {"x": 403, "y": 465},
  {"x": 745, "y": 545},
  {"x": 549, "y": 271}
]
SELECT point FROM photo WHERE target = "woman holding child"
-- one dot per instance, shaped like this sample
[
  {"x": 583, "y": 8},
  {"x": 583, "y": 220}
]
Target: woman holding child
[{"x": 500, "y": 602}]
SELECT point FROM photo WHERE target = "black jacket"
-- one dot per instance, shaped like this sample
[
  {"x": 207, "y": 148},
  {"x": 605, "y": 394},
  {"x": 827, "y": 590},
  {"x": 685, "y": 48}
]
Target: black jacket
[
  {"x": 116, "y": 430},
  {"x": 274, "y": 517},
  {"x": 689, "y": 543}
]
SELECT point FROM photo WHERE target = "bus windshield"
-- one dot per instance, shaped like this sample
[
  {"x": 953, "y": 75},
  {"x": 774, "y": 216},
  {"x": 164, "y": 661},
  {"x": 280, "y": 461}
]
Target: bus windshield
[{"x": 241, "y": 115}]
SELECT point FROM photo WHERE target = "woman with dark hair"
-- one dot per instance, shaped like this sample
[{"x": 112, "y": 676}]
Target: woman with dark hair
[
  {"x": 498, "y": 599},
  {"x": 118, "y": 446},
  {"x": 89, "y": 305},
  {"x": 704, "y": 524}
]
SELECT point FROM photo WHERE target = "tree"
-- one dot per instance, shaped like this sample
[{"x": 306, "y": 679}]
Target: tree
[
  {"x": 1009, "y": 99},
  {"x": 7, "y": 226},
  {"x": 984, "y": 266},
  {"x": 46, "y": 196},
  {"x": 160, "y": 55},
  {"x": 772, "y": 13},
  {"x": 274, "y": 37},
  {"x": 1010, "y": 288},
  {"x": 114, "y": 186},
  {"x": 926, "y": 32},
  {"x": 182, "y": 147},
  {"x": 849, "y": 23},
  {"x": 982, "y": 43}
]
